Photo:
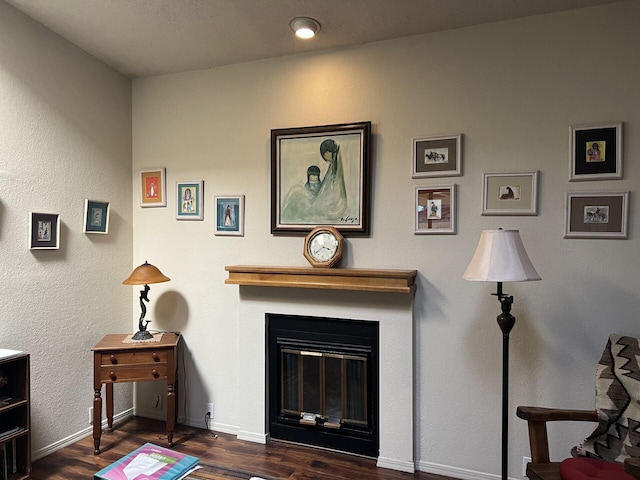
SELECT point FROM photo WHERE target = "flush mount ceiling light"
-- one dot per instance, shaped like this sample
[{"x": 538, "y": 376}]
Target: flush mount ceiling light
[{"x": 304, "y": 27}]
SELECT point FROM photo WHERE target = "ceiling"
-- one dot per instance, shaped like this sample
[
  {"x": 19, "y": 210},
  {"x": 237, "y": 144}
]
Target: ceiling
[{"x": 151, "y": 37}]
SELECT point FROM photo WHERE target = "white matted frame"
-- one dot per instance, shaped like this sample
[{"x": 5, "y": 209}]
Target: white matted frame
[
  {"x": 439, "y": 156},
  {"x": 510, "y": 193},
  {"x": 189, "y": 200},
  {"x": 595, "y": 152},
  {"x": 229, "y": 215},
  {"x": 153, "y": 187},
  {"x": 435, "y": 210},
  {"x": 596, "y": 215},
  {"x": 96, "y": 217},
  {"x": 44, "y": 231}
]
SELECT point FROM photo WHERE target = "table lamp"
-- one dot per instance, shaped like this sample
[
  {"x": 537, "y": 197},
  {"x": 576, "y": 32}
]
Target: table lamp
[
  {"x": 501, "y": 257},
  {"x": 144, "y": 275}
]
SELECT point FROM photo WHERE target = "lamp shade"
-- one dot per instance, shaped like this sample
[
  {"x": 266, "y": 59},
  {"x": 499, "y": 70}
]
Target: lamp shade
[
  {"x": 145, "y": 274},
  {"x": 500, "y": 257}
]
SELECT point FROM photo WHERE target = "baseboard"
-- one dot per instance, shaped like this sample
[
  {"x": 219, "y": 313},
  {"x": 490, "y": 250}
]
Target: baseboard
[
  {"x": 76, "y": 437},
  {"x": 253, "y": 437},
  {"x": 394, "y": 464},
  {"x": 459, "y": 473}
]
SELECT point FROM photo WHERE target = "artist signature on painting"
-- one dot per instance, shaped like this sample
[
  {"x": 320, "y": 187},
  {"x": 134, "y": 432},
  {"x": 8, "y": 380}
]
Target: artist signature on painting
[{"x": 349, "y": 219}]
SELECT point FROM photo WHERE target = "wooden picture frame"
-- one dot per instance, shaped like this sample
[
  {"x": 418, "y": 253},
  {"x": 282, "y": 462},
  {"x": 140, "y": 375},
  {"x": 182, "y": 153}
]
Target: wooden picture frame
[
  {"x": 153, "y": 187},
  {"x": 510, "y": 193},
  {"x": 596, "y": 215},
  {"x": 229, "y": 215},
  {"x": 435, "y": 210},
  {"x": 189, "y": 200},
  {"x": 321, "y": 176},
  {"x": 96, "y": 217},
  {"x": 44, "y": 231},
  {"x": 437, "y": 156},
  {"x": 595, "y": 152}
]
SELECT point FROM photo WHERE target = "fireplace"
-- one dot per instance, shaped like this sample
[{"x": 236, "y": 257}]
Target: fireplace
[
  {"x": 392, "y": 312},
  {"x": 322, "y": 377}
]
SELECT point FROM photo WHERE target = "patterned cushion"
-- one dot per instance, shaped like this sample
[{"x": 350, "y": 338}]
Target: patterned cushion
[
  {"x": 617, "y": 402},
  {"x": 592, "y": 469}
]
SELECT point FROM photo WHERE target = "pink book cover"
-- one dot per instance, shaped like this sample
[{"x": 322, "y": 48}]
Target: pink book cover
[{"x": 149, "y": 462}]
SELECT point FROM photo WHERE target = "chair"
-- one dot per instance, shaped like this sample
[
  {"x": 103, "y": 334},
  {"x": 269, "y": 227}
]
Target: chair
[{"x": 612, "y": 451}]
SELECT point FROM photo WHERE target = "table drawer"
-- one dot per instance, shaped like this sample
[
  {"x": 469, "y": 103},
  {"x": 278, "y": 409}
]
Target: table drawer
[
  {"x": 133, "y": 357},
  {"x": 133, "y": 374}
]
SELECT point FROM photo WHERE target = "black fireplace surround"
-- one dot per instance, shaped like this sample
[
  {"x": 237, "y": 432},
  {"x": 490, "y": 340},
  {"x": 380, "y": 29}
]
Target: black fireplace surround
[{"x": 343, "y": 413}]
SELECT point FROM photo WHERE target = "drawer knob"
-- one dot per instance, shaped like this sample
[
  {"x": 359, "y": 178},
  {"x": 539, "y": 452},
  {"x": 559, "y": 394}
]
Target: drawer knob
[
  {"x": 113, "y": 376},
  {"x": 155, "y": 356},
  {"x": 154, "y": 373},
  {"x": 113, "y": 359}
]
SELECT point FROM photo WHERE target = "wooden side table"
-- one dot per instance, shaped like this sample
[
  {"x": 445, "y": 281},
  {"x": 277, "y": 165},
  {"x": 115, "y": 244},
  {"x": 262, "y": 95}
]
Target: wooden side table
[{"x": 118, "y": 362}]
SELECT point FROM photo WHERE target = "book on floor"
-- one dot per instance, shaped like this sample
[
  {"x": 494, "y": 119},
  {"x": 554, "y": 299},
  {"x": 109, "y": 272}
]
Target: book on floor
[{"x": 149, "y": 462}]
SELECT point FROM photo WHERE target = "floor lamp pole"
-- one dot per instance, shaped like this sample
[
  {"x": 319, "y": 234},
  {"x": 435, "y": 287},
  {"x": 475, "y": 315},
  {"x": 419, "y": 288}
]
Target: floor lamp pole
[{"x": 506, "y": 321}]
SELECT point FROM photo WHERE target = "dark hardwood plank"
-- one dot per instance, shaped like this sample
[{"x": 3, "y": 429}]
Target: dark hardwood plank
[{"x": 276, "y": 459}]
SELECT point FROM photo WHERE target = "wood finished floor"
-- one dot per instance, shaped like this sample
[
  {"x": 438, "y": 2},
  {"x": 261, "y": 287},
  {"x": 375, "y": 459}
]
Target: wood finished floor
[{"x": 277, "y": 459}]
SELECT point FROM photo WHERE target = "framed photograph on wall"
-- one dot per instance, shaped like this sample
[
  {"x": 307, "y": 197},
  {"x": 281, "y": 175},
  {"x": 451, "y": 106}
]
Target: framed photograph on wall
[
  {"x": 596, "y": 215},
  {"x": 153, "y": 188},
  {"x": 96, "y": 217},
  {"x": 435, "y": 210},
  {"x": 44, "y": 231},
  {"x": 437, "y": 156},
  {"x": 596, "y": 152},
  {"x": 321, "y": 176},
  {"x": 229, "y": 215},
  {"x": 189, "y": 200},
  {"x": 510, "y": 193}
]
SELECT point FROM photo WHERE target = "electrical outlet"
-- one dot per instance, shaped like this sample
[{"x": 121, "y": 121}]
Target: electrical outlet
[
  {"x": 525, "y": 461},
  {"x": 157, "y": 401},
  {"x": 209, "y": 409},
  {"x": 90, "y": 415}
]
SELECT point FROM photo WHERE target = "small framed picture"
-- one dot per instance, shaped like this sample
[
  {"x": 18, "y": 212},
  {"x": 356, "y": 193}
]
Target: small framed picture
[
  {"x": 596, "y": 152},
  {"x": 435, "y": 210},
  {"x": 153, "y": 188},
  {"x": 596, "y": 215},
  {"x": 96, "y": 217},
  {"x": 44, "y": 231},
  {"x": 189, "y": 200},
  {"x": 437, "y": 156},
  {"x": 510, "y": 193},
  {"x": 229, "y": 215}
]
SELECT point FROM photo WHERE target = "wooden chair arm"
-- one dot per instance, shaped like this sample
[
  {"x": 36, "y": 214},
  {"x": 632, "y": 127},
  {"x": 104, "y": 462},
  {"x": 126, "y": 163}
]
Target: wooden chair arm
[
  {"x": 537, "y": 418},
  {"x": 632, "y": 467}
]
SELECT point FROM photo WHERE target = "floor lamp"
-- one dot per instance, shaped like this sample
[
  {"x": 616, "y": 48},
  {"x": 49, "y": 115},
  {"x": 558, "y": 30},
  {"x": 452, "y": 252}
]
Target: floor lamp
[{"x": 501, "y": 257}]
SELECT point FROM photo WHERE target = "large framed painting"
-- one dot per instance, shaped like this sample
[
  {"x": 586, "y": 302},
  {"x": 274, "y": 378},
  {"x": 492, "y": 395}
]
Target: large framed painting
[
  {"x": 596, "y": 152},
  {"x": 321, "y": 176}
]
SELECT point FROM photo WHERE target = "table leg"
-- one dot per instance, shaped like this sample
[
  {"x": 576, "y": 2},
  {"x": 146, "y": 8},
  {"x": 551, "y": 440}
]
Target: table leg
[
  {"x": 97, "y": 423},
  {"x": 171, "y": 412},
  {"x": 109, "y": 388}
]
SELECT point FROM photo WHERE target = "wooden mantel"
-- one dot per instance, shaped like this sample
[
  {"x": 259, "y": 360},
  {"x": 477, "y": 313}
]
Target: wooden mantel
[{"x": 398, "y": 281}]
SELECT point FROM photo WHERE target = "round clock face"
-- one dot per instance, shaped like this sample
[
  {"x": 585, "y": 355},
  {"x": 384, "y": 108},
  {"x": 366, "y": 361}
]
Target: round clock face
[{"x": 323, "y": 246}]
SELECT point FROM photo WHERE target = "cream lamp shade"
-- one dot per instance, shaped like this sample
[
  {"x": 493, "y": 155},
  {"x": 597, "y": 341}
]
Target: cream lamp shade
[{"x": 500, "y": 257}]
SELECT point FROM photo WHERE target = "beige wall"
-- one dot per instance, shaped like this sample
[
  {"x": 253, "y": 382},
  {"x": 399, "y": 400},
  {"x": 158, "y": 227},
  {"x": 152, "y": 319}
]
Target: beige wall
[
  {"x": 65, "y": 137},
  {"x": 512, "y": 89}
]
